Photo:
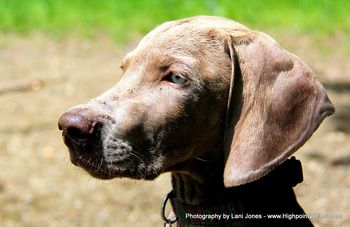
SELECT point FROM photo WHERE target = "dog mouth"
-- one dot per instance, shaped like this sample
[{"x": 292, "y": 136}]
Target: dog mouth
[
  {"x": 104, "y": 168},
  {"x": 98, "y": 168},
  {"x": 93, "y": 168},
  {"x": 114, "y": 158}
]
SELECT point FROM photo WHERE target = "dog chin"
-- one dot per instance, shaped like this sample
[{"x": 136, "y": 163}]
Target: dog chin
[
  {"x": 106, "y": 173},
  {"x": 102, "y": 175}
]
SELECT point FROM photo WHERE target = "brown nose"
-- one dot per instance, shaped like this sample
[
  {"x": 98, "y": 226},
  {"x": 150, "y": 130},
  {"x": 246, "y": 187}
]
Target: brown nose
[{"x": 79, "y": 127}]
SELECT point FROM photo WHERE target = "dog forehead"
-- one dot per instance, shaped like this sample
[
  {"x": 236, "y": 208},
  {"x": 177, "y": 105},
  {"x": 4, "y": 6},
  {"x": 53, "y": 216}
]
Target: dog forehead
[
  {"x": 192, "y": 36},
  {"x": 193, "y": 26}
]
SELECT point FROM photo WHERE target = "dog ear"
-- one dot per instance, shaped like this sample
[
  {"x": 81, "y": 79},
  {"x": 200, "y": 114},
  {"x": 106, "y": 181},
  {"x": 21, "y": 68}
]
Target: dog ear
[{"x": 275, "y": 104}]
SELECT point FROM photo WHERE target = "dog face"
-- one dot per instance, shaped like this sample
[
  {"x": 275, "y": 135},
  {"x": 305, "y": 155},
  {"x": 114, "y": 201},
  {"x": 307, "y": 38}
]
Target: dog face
[{"x": 167, "y": 108}]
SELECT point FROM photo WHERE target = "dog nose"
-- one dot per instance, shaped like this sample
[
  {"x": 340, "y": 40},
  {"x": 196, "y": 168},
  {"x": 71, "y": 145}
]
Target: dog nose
[{"x": 78, "y": 127}]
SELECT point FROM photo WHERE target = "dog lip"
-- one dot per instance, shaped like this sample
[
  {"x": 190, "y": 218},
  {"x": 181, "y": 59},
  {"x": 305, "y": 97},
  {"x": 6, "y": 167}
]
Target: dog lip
[
  {"x": 74, "y": 160},
  {"x": 92, "y": 169},
  {"x": 102, "y": 173}
]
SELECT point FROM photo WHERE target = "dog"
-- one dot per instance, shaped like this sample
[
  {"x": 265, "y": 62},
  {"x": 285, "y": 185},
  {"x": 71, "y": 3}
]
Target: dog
[{"x": 220, "y": 106}]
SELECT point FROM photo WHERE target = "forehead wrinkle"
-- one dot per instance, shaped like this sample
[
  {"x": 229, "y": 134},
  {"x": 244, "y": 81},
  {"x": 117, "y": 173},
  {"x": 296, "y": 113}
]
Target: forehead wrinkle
[{"x": 158, "y": 58}]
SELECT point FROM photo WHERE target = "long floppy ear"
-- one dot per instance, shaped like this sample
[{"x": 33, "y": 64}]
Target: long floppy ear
[{"x": 276, "y": 104}]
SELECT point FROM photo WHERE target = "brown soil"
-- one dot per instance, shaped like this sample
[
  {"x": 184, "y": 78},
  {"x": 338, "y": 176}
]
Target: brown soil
[{"x": 39, "y": 186}]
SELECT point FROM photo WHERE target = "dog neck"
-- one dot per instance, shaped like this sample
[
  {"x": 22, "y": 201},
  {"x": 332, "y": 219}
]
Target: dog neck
[
  {"x": 200, "y": 190},
  {"x": 200, "y": 183}
]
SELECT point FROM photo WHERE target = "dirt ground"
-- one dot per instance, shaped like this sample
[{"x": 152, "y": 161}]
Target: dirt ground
[{"x": 39, "y": 186}]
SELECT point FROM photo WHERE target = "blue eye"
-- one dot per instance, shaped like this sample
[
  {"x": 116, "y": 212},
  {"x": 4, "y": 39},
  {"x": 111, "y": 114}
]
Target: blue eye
[{"x": 176, "y": 79}]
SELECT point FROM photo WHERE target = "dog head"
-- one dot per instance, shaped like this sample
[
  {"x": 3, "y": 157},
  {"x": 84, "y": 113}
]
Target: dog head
[{"x": 196, "y": 87}]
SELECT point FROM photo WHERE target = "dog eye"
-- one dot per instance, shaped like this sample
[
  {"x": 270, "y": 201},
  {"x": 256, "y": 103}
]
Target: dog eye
[{"x": 176, "y": 79}]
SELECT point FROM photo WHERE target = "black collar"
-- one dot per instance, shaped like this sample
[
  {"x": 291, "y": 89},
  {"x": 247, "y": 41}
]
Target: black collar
[{"x": 287, "y": 175}]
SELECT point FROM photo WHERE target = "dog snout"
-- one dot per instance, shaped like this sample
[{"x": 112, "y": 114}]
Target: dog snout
[{"x": 80, "y": 127}]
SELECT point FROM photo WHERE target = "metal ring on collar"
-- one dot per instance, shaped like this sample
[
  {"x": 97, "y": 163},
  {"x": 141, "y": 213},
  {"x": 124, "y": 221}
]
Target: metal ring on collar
[{"x": 162, "y": 212}]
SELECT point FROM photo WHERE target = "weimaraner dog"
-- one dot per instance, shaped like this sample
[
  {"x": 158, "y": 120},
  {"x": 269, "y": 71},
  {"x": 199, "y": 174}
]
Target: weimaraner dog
[{"x": 218, "y": 105}]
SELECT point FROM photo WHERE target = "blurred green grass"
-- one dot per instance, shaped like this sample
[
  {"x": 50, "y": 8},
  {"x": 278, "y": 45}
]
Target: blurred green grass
[{"x": 121, "y": 19}]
